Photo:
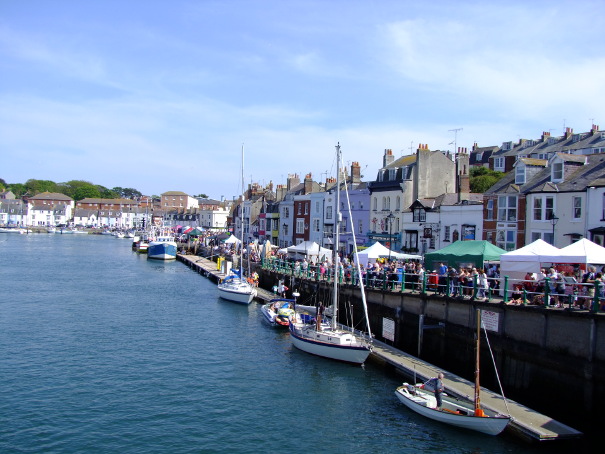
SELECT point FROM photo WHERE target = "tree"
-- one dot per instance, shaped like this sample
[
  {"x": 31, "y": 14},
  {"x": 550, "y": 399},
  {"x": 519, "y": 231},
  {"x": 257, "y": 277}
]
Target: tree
[
  {"x": 130, "y": 193},
  {"x": 201, "y": 196},
  {"x": 482, "y": 178},
  {"x": 108, "y": 193},
  {"x": 34, "y": 186},
  {"x": 18, "y": 189},
  {"x": 86, "y": 191}
]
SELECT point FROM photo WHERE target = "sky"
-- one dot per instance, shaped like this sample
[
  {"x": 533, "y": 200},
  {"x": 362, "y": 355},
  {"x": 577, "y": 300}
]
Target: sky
[{"x": 164, "y": 95}]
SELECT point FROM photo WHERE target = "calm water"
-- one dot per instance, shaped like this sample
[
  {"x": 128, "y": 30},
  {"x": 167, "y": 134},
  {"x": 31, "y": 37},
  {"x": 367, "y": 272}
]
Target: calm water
[{"x": 102, "y": 350}]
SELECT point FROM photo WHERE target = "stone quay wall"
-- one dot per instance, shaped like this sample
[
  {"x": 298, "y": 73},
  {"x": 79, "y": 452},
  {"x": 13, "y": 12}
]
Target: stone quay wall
[{"x": 541, "y": 353}]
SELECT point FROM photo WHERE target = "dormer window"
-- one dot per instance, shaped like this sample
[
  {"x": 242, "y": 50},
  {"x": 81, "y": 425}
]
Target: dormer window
[
  {"x": 552, "y": 140},
  {"x": 520, "y": 174},
  {"x": 575, "y": 138},
  {"x": 478, "y": 157},
  {"x": 557, "y": 172},
  {"x": 392, "y": 174},
  {"x": 419, "y": 215},
  {"x": 506, "y": 146}
]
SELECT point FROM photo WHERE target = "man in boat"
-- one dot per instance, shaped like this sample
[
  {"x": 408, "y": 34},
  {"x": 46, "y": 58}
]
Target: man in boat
[
  {"x": 437, "y": 384},
  {"x": 439, "y": 389}
]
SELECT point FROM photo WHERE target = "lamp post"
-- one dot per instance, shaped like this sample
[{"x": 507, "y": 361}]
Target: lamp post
[
  {"x": 390, "y": 218},
  {"x": 553, "y": 220}
]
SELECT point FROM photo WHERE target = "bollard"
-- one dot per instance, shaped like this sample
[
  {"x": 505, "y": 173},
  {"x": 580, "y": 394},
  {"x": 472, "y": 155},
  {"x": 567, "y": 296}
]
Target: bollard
[
  {"x": 524, "y": 297},
  {"x": 595, "y": 300},
  {"x": 506, "y": 289}
]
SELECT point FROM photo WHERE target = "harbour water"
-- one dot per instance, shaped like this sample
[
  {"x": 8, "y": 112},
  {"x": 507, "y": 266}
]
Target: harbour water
[{"x": 102, "y": 350}]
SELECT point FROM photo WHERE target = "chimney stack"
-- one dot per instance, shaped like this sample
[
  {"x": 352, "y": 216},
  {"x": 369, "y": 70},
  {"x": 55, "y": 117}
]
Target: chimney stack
[
  {"x": 355, "y": 173},
  {"x": 388, "y": 157},
  {"x": 308, "y": 184}
]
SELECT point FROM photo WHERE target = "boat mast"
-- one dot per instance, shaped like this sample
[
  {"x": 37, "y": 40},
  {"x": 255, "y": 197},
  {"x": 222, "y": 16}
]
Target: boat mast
[
  {"x": 241, "y": 246},
  {"x": 478, "y": 411},
  {"x": 336, "y": 240}
]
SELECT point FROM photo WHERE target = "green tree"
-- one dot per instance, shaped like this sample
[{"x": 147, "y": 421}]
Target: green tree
[
  {"x": 86, "y": 191},
  {"x": 18, "y": 189},
  {"x": 108, "y": 193},
  {"x": 201, "y": 196},
  {"x": 482, "y": 178},
  {"x": 37, "y": 186},
  {"x": 130, "y": 193}
]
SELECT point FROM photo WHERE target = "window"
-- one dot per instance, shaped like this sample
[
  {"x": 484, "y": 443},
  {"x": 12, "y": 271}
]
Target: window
[
  {"x": 300, "y": 225},
  {"x": 317, "y": 207},
  {"x": 490, "y": 210},
  {"x": 557, "y": 172},
  {"x": 538, "y": 209},
  {"x": 286, "y": 213},
  {"x": 505, "y": 239},
  {"x": 577, "y": 207},
  {"x": 329, "y": 212},
  {"x": 507, "y": 208},
  {"x": 360, "y": 226},
  {"x": 397, "y": 203},
  {"x": 419, "y": 215},
  {"x": 446, "y": 233},
  {"x": 316, "y": 225},
  {"x": 499, "y": 164},
  {"x": 520, "y": 174},
  {"x": 392, "y": 174},
  {"x": 299, "y": 207},
  {"x": 375, "y": 203},
  {"x": 306, "y": 208}
]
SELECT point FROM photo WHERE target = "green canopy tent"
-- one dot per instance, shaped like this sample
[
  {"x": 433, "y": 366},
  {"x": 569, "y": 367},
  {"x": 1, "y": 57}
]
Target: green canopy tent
[
  {"x": 464, "y": 253},
  {"x": 196, "y": 232}
]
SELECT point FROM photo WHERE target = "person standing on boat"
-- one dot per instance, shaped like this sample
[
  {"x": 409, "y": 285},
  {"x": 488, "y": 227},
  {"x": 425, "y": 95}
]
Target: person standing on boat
[{"x": 437, "y": 384}]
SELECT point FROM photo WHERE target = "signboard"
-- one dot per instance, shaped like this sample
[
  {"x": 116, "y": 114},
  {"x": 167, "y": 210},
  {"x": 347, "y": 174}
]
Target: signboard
[
  {"x": 388, "y": 329},
  {"x": 428, "y": 232},
  {"x": 490, "y": 320}
]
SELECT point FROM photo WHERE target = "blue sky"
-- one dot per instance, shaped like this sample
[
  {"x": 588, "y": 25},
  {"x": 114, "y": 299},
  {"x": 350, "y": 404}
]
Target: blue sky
[{"x": 160, "y": 95}]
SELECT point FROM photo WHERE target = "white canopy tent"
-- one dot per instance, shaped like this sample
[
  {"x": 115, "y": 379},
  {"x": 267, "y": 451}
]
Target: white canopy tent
[
  {"x": 378, "y": 250},
  {"x": 517, "y": 263},
  {"x": 582, "y": 251},
  {"x": 310, "y": 250},
  {"x": 233, "y": 239}
]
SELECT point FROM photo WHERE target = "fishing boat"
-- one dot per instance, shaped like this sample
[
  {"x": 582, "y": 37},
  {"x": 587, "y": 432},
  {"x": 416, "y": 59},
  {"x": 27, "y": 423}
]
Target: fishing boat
[
  {"x": 331, "y": 340},
  {"x": 162, "y": 247},
  {"x": 236, "y": 287},
  {"x": 464, "y": 414},
  {"x": 277, "y": 312}
]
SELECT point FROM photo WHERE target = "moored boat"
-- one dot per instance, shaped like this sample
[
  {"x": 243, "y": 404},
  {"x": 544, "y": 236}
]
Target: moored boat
[
  {"x": 277, "y": 312},
  {"x": 331, "y": 340},
  {"x": 237, "y": 290},
  {"x": 163, "y": 247},
  {"x": 467, "y": 415}
]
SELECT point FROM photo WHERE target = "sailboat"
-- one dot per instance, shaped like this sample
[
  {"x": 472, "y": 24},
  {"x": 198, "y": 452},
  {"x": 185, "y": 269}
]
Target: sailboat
[
  {"x": 328, "y": 339},
  {"x": 467, "y": 415},
  {"x": 235, "y": 287}
]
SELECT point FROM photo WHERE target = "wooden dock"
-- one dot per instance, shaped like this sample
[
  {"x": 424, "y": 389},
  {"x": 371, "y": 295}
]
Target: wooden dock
[{"x": 526, "y": 423}]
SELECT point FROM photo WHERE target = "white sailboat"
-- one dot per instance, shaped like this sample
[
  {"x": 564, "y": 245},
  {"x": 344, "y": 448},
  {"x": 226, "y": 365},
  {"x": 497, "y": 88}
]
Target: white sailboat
[
  {"x": 235, "y": 287},
  {"x": 467, "y": 415},
  {"x": 330, "y": 340}
]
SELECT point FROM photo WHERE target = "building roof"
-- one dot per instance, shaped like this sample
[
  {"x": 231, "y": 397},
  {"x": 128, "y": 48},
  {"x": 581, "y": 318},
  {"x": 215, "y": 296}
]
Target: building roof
[{"x": 51, "y": 196}]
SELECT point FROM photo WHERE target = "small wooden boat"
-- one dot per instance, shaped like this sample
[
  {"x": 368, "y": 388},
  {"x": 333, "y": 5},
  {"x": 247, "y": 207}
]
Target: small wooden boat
[{"x": 468, "y": 415}]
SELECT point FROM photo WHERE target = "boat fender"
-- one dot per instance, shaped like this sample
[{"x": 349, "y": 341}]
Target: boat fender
[{"x": 479, "y": 413}]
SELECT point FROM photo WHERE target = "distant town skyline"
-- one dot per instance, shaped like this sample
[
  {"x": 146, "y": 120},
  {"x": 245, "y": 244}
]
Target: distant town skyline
[{"x": 162, "y": 97}]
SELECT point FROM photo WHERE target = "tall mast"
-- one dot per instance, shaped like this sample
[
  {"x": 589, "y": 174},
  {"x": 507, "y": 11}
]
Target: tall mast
[
  {"x": 241, "y": 246},
  {"x": 336, "y": 239},
  {"x": 477, "y": 356}
]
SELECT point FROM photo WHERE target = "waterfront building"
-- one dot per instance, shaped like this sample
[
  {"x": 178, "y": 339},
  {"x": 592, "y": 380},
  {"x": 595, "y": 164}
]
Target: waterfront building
[
  {"x": 177, "y": 199},
  {"x": 400, "y": 182},
  {"x": 13, "y": 212},
  {"x": 49, "y": 209}
]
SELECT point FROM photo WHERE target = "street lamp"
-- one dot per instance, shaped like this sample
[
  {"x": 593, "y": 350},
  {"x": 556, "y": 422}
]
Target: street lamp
[
  {"x": 553, "y": 220},
  {"x": 390, "y": 219}
]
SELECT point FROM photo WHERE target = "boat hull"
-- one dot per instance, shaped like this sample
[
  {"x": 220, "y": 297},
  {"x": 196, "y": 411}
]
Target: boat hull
[
  {"x": 337, "y": 345},
  {"x": 162, "y": 251},
  {"x": 236, "y": 291},
  {"x": 455, "y": 413}
]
